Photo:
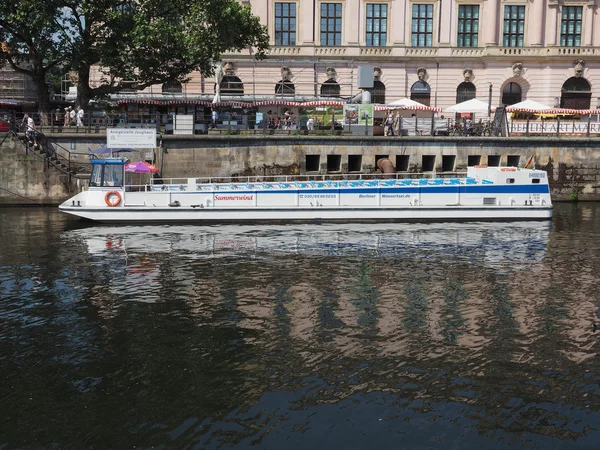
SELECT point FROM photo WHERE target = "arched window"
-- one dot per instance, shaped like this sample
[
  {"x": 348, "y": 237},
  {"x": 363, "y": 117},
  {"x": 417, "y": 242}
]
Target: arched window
[
  {"x": 231, "y": 85},
  {"x": 465, "y": 91},
  {"x": 172, "y": 87},
  {"x": 576, "y": 93},
  {"x": 421, "y": 92},
  {"x": 377, "y": 92},
  {"x": 330, "y": 88},
  {"x": 285, "y": 88},
  {"x": 511, "y": 94}
]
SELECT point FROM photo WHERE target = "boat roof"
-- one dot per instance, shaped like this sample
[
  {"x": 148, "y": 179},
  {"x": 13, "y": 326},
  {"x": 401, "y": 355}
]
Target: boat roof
[{"x": 114, "y": 161}]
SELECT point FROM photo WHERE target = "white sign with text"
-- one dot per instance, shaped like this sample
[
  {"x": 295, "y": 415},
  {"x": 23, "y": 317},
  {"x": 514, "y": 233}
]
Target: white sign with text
[
  {"x": 131, "y": 137},
  {"x": 553, "y": 127}
]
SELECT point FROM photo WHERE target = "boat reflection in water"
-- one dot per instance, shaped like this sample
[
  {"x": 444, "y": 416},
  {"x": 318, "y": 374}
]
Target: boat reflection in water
[{"x": 489, "y": 243}]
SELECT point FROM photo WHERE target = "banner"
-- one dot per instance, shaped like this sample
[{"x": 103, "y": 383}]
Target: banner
[
  {"x": 552, "y": 127},
  {"x": 131, "y": 137}
]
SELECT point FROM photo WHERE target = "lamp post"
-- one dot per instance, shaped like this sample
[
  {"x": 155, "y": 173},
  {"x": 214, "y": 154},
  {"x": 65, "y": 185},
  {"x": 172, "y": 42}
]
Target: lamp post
[{"x": 490, "y": 85}]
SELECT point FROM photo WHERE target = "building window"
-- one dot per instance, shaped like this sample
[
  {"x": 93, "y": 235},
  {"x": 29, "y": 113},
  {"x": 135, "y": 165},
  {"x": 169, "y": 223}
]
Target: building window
[
  {"x": 330, "y": 88},
  {"x": 421, "y": 92},
  {"x": 511, "y": 94},
  {"x": 468, "y": 25},
  {"x": 376, "y": 25},
  {"x": 285, "y": 24},
  {"x": 465, "y": 91},
  {"x": 514, "y": 26},
  {"x": 422, "y": 25},
  {"x": 570, "y": 26},
  {"x": 331, "y": 24},
  {"x": 377, "y": 92}
]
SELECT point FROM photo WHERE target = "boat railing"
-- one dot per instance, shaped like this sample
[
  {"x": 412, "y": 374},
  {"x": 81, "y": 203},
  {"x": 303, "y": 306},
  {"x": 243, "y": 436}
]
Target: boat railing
[
  {"x": 299, "y": 178},
  {"x": 300, "y": 181}
]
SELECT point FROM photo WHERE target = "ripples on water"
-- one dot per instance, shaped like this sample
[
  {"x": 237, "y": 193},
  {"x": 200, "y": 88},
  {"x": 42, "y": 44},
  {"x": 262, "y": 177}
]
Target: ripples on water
[{"x": 329, "y": 336}]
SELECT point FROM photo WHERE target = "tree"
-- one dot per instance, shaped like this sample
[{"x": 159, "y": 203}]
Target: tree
[
  {"x": 33, "y": 42},
  {"x": 144, "y": 42}
]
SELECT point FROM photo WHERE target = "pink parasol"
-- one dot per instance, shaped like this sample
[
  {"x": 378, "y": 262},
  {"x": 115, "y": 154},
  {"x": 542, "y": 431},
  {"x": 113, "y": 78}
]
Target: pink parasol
[{"x": 140, "y": 167}]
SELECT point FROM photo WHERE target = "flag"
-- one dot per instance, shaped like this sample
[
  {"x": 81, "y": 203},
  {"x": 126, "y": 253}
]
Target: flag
[{"x": 529, "y": 162}]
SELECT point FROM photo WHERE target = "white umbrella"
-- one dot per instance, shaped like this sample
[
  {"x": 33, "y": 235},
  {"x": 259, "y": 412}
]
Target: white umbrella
[
  {"x": 528, "y": 106},
  {"x": 405, "y": 103},
  {"x": 470, "y": 106}
]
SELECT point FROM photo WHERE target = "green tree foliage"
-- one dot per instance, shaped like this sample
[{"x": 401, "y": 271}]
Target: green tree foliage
[
  {"x": 145, "y": 42},
  {"x": 33, "y": 41}
]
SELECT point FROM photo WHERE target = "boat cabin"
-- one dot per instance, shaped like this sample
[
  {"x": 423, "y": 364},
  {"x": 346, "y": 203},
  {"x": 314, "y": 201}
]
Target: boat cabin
[{"x": 108, "y": 172}]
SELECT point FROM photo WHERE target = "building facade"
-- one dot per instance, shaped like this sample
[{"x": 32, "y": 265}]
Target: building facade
[{"x": 436, "y": 52}]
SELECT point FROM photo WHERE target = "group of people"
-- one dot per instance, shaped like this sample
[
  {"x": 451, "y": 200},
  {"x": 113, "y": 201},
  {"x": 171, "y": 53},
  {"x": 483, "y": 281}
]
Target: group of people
[
  {"x": 284, "y": 122},
  {"x": 391, "y": 123},
  {"x": 70, "y": 117}
]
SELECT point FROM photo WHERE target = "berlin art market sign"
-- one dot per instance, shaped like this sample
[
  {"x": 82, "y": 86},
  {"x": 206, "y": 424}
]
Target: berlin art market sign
[{"x": 131, "y": 137}]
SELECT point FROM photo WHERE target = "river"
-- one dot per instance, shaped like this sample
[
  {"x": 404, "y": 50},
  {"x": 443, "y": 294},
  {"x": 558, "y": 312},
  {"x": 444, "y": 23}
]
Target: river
[{"x": 396, "y": 336}]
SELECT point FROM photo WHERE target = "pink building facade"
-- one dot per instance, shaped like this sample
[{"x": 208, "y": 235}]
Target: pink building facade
[{"x": 436, "y": 52}]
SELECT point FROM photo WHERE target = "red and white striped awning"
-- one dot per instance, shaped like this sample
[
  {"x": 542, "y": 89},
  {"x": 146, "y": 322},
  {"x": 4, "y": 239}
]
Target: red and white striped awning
[{"x": 233, "y": 103}]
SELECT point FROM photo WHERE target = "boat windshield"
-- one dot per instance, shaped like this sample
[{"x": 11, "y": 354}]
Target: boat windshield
[{"x": 107, "y": 175}]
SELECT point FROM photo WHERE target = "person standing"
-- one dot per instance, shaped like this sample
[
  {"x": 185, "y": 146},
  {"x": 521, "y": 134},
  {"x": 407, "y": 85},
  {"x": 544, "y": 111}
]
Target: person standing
[
  {"x": 30, "y": 130},
  {"x": 72, "y": 115},
  {"x": 80, "y": 115},
  {"x": 213, "y": 119},
  {"x": 67, "y": 117}
]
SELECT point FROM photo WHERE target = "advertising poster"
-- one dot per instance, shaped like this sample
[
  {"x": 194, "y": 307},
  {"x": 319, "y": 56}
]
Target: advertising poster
[{"x": 366, "y": 112}]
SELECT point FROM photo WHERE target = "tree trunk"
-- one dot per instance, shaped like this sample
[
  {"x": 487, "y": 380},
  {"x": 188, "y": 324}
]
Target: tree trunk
[
  {"x": 84, "y": 91},
  {"x": 43, "y": 94}
]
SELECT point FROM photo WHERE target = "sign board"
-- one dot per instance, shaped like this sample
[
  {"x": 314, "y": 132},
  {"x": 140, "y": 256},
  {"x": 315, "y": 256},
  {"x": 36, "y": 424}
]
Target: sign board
[
  {"x": 131, "y": 137},
  {"x": 553, "y": 127},
  {"x": 499, "y": 122},
  {"x": 365, "y": 76},
  {"x": 366, "y": 112}
]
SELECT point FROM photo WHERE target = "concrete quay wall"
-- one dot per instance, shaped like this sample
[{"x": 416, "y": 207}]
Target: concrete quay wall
[
  {"x": 27, "y": 179},
  {"x": 573, "y": 164}
]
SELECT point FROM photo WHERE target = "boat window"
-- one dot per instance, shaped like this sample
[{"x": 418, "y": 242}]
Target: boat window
[
  {"x": 113, "y": 175},
  {"x": 107, "y": 175},
  {"x": 489, "y": 200},
  {"x": 510, "y": 181},
  {"x": 96, "y": 177},
  {"x": 535, "y": 180}
]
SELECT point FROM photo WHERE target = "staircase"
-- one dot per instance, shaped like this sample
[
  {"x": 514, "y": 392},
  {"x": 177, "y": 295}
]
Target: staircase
[{"x": 54, "y": 155}]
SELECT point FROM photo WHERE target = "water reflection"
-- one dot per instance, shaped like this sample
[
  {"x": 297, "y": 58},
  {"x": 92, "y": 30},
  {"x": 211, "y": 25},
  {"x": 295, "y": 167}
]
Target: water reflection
[{"x": 370, "y": 336}]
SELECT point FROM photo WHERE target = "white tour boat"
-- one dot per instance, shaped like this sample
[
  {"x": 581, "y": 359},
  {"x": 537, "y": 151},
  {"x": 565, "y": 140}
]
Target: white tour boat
[{"x": 485, "y": 193}]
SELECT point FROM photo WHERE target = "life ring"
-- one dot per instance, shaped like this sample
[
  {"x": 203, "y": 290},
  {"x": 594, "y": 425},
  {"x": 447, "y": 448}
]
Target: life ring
[
  {"x": 508, "y": 169},
  {"x": 480, "y": 166},
  {"x": 110, "y": 202}
]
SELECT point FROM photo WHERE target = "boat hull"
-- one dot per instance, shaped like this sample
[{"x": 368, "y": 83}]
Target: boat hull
[{"x": 241, "y": 215}]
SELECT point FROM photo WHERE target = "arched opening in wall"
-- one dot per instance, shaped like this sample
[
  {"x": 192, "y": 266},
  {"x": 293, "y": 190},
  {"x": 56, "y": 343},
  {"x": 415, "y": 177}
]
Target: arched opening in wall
[
  {"x": 576, "y": 93},
  {"x": 465, "y": 91},
  {"x": 511, "y": 94},
  {"x": 172, "y": 87},
  {"x": 285, "y": 88},
  {"x": 377, "y": 92},
  {"x": 330, "y": 88},
  {"x": 421, "y": 92},
  {"x": 231, "y": 85}
]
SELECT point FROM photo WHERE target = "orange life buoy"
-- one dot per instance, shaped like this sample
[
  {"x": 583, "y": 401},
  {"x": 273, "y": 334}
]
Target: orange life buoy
[
  {"x": 114, "y": 202},
  {"x": 480, "y": 166}
]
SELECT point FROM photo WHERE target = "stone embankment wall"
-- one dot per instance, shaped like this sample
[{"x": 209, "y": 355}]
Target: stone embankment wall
[
  {"x": 26, "y": 179},
  {"x": 573, "y": 164}
]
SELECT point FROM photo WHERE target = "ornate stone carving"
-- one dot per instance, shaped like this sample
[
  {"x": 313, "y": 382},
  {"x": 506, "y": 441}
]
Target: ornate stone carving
[
  {"x": 331, "y": 73},
  {"x": 377, "y": 73},
  {"x": 468, "y": 74},
  {"x": 517, "y": 68},
  {"x": 579, "y": 65},
  {"x": 421, "y": 73},
  {"x": 286, "y": 73},
  {"x": 229, "y": 68}
]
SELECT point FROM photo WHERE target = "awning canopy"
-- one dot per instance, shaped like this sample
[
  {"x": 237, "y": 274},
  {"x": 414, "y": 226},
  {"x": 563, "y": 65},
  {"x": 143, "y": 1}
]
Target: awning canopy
[{"x": 470, "y": 106}]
